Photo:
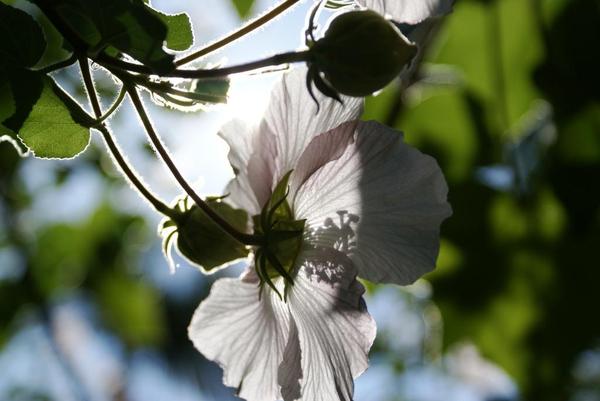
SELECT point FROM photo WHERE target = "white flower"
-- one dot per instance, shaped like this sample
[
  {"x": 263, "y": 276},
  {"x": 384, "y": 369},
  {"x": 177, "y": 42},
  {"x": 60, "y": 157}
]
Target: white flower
[
  {"x": 373, "y": 207},
  {"x": 409, "y": 11}
]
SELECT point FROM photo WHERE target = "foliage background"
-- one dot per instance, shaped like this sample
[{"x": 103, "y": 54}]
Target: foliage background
[{"x": 507, "y": 100}]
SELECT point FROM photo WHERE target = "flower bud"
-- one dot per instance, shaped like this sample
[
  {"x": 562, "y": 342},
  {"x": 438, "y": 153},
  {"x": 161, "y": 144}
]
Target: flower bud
[
  {"x": 360, "y": 53},
  {"x": 199, "y": 239}
]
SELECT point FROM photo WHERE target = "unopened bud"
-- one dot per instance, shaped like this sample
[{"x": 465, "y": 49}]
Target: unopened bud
[
  {"x": 198, "y": 238},
  {"x": 361, "y": 53}
]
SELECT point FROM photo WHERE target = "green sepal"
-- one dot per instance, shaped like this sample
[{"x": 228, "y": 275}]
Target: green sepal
[
  {"x": 283, "y": 237},
  {"x": 200, "y": 240},
  {"x": 276, "y": 208}
]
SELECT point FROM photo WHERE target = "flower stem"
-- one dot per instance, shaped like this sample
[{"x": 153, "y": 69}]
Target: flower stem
[
  {"x": 112, "y": 146},
  {"x": 57, "y": 66},
  {"x": 258, "y": 22},
  {"x": 283, "y": 58},
  {"x": 244, "y": 238},
  {"x": 113, "y": 107}
]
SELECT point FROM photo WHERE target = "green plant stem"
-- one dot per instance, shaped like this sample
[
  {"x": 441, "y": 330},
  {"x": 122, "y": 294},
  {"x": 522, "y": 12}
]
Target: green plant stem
[
  {"x": 283, "y": 58},
  {"x": 258, "y": 22},
  {"x": 89, "y": 85},
  {"x": 112, "y": 146},
  {"x": 113, "y": 107},
  {"x": 60, "y": 65},
  {"x": 244, "y": 238}
]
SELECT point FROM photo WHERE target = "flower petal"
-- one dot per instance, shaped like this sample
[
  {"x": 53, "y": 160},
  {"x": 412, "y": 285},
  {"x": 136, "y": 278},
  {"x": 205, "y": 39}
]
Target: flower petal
[
  {"x": 382, "y": 203},
  {"x": 409, "y": 11},
  {"x": 292, "y": 116},
  {"x": 252, "y": 154},
  {"x": 243, "y": 335},
  {"x": 322, "y": 149},
  {"x": 332, "y": 329}
]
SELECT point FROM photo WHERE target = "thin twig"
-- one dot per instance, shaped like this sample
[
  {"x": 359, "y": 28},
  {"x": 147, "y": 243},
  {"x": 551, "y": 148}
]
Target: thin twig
[
  {"x": 113, "y": 107},
  {"x": 112, "y": 146},
  {"x": 283, "y": 58},
  {"x": 60, "y": 65},
  {"x": 258, "y": 22},
  {"x": 244, "y": 238}
]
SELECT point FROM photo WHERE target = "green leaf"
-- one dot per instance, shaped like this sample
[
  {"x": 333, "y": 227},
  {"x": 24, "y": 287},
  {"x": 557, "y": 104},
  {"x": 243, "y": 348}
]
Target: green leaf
[
  {"x": 7, "y": 103},
  {"x": 57, "y": 48},
  {"x": 21, "y": 88},
  {"x": 22, "y": 41},
  {"x": 179, "y": 30},
  {"x": 211, "y": 90},
  {"x": 127, "y": 25},
  {"x": 189, "y": 95},
  {"x": 61, "y": 260},
  {"x": 132, "y": 308},
  {"x": 471, "y": 45},
  {"x": 200, "y": 240},
  {"x": 56, "y": 126},
  {"x": 7, "y": 109},
  {"x": 243, "y": 7},
  {"x": 6, "y": 135},
  {"x": 26, "y": 89},
  {"x": 81, "y": 23}
]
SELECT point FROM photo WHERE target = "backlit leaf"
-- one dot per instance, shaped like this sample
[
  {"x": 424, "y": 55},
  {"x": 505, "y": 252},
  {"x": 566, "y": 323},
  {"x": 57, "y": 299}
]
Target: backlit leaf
[
  {"x": 127, "y": 25},
  {"x": 55, "y": 128},
  {"x": 179, "y": 30}
]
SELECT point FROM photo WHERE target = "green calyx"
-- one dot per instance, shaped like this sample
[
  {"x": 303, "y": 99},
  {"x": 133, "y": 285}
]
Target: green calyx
[
  {"x": 282, "y": 239},
  {"x": 360, "y": 53}
]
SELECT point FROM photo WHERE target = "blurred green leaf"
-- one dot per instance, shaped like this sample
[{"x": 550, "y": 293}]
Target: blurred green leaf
[
  {"x": 26, "y": 394},
  {"x": 61, "y": 262},
  {"x": 580, "y": 139},
  {"x": 243, "y": 7},
  {"x": 56, "y": 126},
  {"x": 438, "y": 121},
  {"x": 132, "y": 308},
  {"x": 488, "y": 46}
]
